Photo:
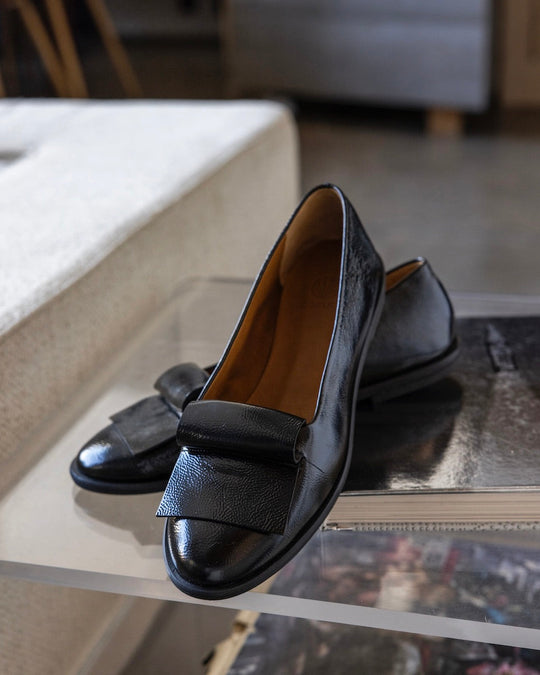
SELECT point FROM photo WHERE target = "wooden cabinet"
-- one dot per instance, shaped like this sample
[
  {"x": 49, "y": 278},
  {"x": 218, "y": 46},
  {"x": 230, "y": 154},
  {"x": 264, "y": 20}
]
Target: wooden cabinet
[{"x": 519, "y": 45}]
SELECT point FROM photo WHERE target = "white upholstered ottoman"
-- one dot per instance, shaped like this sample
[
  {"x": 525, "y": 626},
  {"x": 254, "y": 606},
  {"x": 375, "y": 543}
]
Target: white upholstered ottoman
[{"x": 104, "y": 209}]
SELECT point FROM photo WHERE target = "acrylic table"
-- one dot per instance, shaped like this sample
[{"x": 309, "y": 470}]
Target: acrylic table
[{"x": 53, "y": 532}]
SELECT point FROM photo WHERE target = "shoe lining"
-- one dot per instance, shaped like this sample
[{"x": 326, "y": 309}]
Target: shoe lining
[
  {"x": 279, "y": 352},
  {"x": 396, "y": 276},
  {"x": 304, "y": 327}
]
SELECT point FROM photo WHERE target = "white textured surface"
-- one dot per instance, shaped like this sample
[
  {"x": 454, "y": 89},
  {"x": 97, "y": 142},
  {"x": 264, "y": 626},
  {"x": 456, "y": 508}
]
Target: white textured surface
[{"x": 128, "y": 161}]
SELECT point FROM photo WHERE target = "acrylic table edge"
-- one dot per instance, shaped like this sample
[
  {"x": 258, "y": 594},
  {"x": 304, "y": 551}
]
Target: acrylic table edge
[
  {"x": 466, "y": 304},
  {"x": 301, "y": 608}
]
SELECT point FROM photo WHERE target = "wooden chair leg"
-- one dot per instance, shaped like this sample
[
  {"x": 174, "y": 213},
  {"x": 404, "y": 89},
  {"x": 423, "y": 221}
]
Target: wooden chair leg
[
  {"x": 7, "y": 46},
  {"x": 117, "y": 53},
  {"x": 43, "y": 45},
  {"x": 66, "y": 47}
]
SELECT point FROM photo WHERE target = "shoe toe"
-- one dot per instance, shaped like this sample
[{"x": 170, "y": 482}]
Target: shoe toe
[
  {"x": 101, "y": 453},
  {"x": 206, "y": 556}
]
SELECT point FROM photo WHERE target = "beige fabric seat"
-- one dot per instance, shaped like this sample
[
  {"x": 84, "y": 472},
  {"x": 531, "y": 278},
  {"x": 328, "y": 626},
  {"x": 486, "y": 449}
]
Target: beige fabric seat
[{"x": 104, "y": 209}]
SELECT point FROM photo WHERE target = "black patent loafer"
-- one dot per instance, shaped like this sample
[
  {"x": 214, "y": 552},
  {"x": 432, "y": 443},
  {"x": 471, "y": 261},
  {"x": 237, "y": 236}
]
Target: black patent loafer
[
  {"x": 265, "y": 449},
  {"x": 414, "y": 345},
  {"x": 138, "y": 450}
]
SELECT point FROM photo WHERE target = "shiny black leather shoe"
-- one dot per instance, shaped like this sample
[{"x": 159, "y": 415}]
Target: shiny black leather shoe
[
  {"x": 414, "y": 345},
  {"x": 137, "y": 452},
  {"x": 265, "y": 449}
]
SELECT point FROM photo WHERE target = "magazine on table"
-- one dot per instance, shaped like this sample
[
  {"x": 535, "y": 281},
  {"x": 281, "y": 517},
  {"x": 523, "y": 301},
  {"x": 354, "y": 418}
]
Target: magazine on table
[{"x": 460, "y": 454}]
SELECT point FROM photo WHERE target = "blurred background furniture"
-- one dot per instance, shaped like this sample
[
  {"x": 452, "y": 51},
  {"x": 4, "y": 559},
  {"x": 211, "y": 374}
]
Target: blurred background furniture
[
  {"x": 166, "y": 19},
  {"x": 519, "y": 58},
  {"x": 424, "y": 53},
  {"x": 57, "y": 49},
  {"x": 40, "y": 38}
]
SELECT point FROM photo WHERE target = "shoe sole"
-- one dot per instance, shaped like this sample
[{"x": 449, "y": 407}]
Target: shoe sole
[
  {"x": 313, "y": 524},
  {"x": 119, "y": 488},
  {"x": 411, "y": 380}
]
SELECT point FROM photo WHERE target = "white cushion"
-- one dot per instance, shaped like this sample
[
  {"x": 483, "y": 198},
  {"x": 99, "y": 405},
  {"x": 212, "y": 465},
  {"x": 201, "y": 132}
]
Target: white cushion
[{"x": 90, "y": 175}]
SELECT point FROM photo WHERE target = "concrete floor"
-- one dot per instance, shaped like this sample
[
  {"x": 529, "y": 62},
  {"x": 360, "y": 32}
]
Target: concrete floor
[
  {"x": 470, "y": 205},
  {"x": 181, "y": 640}
]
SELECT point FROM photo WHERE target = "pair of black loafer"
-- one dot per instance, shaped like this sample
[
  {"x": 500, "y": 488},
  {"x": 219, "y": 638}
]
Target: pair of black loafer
[{"x": 254, "y": 452}]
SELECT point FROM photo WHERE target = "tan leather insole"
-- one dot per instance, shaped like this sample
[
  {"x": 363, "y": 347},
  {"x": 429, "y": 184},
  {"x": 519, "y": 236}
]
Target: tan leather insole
[
  {"x": 394, "y": 277},
  {"x": 291, "y": 379}
]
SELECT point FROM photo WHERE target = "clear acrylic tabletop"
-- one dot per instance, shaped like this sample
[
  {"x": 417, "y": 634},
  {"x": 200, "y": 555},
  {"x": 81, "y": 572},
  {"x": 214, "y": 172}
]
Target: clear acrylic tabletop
[{"x": 481, "y": 585}]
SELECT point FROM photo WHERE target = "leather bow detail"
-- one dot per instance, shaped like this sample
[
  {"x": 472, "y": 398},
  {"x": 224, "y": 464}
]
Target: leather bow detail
[
  {"x": 181, "y": 384},
  {"x": 238, "y": 465},
  {"x": 153, "y": 421},
  {"x": 240, "y": 429}
]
